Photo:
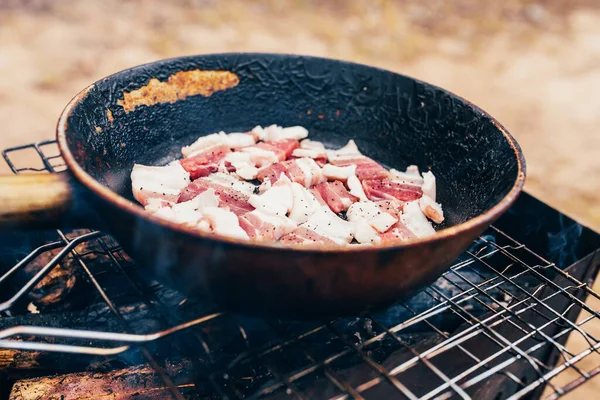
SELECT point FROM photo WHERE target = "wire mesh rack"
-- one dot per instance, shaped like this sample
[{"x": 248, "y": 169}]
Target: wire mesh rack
[{"x": 495, "y": 325}]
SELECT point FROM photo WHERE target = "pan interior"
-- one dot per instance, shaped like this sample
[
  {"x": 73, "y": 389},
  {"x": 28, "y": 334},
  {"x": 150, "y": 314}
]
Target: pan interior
[{"x": 394, "y": 119}]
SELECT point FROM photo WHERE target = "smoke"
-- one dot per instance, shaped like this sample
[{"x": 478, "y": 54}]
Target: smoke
[{"x": 562, "y": 245}]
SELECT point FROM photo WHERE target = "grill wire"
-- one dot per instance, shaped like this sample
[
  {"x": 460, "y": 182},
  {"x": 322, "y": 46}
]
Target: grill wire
[{"x": 502, "y": 294}]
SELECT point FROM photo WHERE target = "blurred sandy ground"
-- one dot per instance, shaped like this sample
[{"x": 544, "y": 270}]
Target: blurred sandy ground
[{"x": 535, "y": 65}]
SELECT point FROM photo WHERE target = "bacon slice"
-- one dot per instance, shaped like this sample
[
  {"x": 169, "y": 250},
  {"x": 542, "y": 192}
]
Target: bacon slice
[
  {"x": 348, "y": 155},
  {"x": 387, "y": 189},
  {"x": 241, "y": 164},
  {"x": 336, "y": 196},
  {"x": 158, "y": 182},
  {"x": 416, "y": 222},
  {"x": 278, "y": 200},
  {"x": 312, "y": 149},
  {"x": 410, "y": 176},
  {"x": 305, "y": 203},
  {"x": 429, "y": 186},
  {"x": 224, "y": 222},
  {"x": 431, "y": 209},
  {"x": 335, "y": 173},
  {"x": 272, "y": 172},
  {"x": 275, "y": 133},
  {"x": 205, "y": 162},
  {"x": 233, "y": 141},
  {"x": 301, "y": 170},
  {"x": 327, "y": 224},
  {"x": 303, "y": 235},
  {"x": 230, "y": 194},
  {"x": 396, "y": 234},
  {"x": 366, "y": 168},
  {"x": 266, "y": 153},
  {"x": 266, "y": 227}
]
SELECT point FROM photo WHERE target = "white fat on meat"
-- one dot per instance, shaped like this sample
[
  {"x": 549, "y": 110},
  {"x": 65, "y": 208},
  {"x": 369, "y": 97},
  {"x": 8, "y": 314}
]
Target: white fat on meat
[
  {"x": 274, "y": 133},
  {"x": 431, "y": 209},
  {"x": 365, "y": 233},
  {"x": 278, "y": 200},
  {"x": 416, "y": 222},
  {"x": 242, "y": 162},
  {"x": 428, "y": 187},
  {"x": 325, "y": 223},
  {"x": 264, "y": 186},
  {"x": 158, "y": 182},
  {"x": 348, "y": 152},
  {"x": 231, "y": 182},
  {"x": 335, "y": 173},
  {"x": 305, "y": 203},
  {"x": 153, "y": 205},
  {"x": 189, "y": 213},
  {"x": 260, "y": 157},
  {"x": 355, "y": 188},
  {"x": 369, "y": 212},
  {"x": 233, "y": 140},
  {"x": 311, "y": 149},
  {"x": 311, "y": 171},
  {"x": 282, "y": 225},
  {"x": 225, "y": 223},
  {"x": 410, "y": 176}
]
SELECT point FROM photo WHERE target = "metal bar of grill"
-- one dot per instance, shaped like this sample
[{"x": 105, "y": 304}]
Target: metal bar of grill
[{"x": 502, "y": 296}]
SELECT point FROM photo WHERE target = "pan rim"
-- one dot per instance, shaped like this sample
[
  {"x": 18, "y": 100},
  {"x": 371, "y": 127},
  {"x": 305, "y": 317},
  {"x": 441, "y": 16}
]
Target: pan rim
[{"x": 138, "y": 211}]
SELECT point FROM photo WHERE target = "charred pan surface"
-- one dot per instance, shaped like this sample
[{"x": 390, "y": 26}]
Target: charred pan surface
[{"x": 179, "y": 86}]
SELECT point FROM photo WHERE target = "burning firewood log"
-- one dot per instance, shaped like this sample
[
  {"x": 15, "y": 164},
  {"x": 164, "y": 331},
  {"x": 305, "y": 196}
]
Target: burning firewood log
[{"x": 139, "y": 381}]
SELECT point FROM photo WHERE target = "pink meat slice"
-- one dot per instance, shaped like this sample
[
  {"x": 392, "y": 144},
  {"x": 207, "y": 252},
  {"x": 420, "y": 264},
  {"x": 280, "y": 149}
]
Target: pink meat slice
[
  {"x": 305, "y": 236},
  {"x": 273, "y": 172},
  {"x": 366, "y": 168},
  {"x": 206, "y": 162},
  {"x": 396, "y": 234},
  {"x": 335, "y": 195},
  {"x": 385, "y": 189},
  {"x": 228, "y": 197},
  {"x": 256, "y": 228}
]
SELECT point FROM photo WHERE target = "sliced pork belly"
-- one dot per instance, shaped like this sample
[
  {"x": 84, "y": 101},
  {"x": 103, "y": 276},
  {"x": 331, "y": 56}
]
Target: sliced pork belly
[
  {"x": 155, "y": 204},
  {"x": 241, "y": 164},
  {"x": 266, "y": 227},
  {"x": 325, "y": 223},
  {"x": 355, "y": 188},
  {"x": 163, "y": 183},
  {"x": 224, "y": 222},
  {"x": 301, "y": 170},
  {"x": 431, "y": 209},
  {"x": 373, "y": 215},
  {"x": 274, "y": 133},
  {"x": 188, "y": 213},
  {"x": 429, "y": 186},
  {"x": 386, "y": 189},
  {"x": 366, "y": 168},
  {"x": 413, "y": 218},
  {"x": 232, "y": 141},
  {"x": 336, "y": 196},
  {"x": 303, "y": 235},
  {"x": 205, "y": 162},
  {"x": 272, "y": 172},
  {"x": 336, "y": 173},
  {"x": 305, "y": 203},
  {"x": 410, "y": 176},
  {"x": 278, "y": 200},
  {"x": 266, "y": 153},
  {"x": 312, "y": 149},
  {"x": 398, "y": 233},
  {"x": 231, "y": 192}
]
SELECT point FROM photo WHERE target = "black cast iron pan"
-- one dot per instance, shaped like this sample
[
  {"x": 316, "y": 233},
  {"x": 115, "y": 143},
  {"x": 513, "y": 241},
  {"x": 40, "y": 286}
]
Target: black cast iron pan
[{"x": 146, "y": 114}]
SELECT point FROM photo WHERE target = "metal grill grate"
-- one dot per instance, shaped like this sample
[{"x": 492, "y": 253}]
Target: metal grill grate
[{"x": 494, "y": 326}]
